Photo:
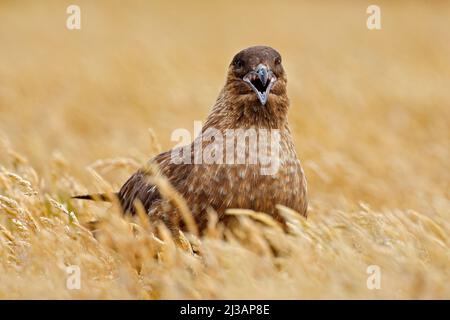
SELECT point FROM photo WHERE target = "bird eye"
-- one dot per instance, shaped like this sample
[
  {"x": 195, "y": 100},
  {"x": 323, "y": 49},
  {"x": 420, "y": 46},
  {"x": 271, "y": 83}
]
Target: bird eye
[
  {"x": 238, "y": 63},
  {"x": 278, "y": 60}
]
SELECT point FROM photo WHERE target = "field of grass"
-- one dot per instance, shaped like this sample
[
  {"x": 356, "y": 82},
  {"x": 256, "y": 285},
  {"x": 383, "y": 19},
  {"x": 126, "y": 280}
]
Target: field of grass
[{"x": 370, "y": 113}]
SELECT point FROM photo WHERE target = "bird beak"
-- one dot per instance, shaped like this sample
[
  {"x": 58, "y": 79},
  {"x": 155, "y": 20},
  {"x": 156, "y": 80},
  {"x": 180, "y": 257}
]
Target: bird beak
[{"x": 261, "y": 80}]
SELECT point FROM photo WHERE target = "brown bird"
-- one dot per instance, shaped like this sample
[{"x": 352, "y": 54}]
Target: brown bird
[{"x": 253, "y": 100}]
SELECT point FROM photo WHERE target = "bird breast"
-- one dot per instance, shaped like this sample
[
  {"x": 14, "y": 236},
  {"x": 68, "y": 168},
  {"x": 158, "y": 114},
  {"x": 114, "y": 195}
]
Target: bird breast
[{"x": 247, "y": 185}]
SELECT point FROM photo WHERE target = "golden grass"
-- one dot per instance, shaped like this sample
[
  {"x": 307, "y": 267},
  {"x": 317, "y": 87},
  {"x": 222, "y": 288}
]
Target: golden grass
[{"x": 370, "y": 115}]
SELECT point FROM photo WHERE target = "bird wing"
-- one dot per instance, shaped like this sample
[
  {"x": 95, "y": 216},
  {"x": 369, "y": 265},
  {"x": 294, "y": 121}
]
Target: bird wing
[{"x": 138, "y": 187}]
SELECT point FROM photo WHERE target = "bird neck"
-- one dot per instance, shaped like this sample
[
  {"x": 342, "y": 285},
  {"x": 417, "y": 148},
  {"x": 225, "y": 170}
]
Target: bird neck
[{"x": 234, "y": 111}]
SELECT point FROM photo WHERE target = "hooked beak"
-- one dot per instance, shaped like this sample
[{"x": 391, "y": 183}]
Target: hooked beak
[{"x": 261, "y": 80}]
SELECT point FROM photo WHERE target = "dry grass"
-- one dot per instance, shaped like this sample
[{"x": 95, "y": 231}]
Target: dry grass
[{"x": 370, "y": 113}]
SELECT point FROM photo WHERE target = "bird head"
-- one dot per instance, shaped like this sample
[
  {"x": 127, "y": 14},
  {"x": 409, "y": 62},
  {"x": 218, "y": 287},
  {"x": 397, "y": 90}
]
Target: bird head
[{"x": 256, "y": 73}]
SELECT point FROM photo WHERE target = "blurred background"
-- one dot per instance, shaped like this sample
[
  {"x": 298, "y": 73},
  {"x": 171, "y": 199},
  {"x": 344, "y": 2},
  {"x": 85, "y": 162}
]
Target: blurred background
[{"x": 370, "y": 109}]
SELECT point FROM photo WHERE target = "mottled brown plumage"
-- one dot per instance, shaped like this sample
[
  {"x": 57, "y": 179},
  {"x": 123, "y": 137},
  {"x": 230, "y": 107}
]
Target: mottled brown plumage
[{"x": 222, "y": 186}]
